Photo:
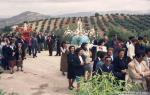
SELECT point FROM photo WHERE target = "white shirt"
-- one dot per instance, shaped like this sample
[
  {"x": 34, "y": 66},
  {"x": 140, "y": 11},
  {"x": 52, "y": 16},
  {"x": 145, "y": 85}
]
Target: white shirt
[
  {"x": 112, "y": 57},
  {"x": 63, "y": 50},
  {"x": 148, "y": 61},
  {"x": 81, "y": 60},
  {"x": 102, "y": 48},
  {"x": 131, "y": 50}
]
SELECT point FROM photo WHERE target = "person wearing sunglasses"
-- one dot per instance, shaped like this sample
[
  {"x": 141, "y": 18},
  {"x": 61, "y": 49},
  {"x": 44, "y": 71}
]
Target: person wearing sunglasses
[{"x": 107, "y": 66}]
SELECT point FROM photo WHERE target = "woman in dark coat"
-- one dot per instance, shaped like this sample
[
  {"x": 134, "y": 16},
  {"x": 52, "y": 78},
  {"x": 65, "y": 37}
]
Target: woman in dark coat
[
  {"x": 120, "y": 65},
  {"x": 19, "y": 56},
  {"x": 79, "y": 65},
  {"x": 71, "y": 74},
  {"x": 11, "y": 57}
]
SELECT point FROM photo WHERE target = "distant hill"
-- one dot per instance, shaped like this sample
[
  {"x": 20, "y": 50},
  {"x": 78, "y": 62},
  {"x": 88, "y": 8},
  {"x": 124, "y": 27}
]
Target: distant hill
[
  {"x": 102, "y": 23},
  {"x": 78, "y": 14},
  {"x": 2, "y": 19},
  {"x": 83, "y": 14},
  {"x": 25, "y": 16},
  {"x": 124, "y": 20}
]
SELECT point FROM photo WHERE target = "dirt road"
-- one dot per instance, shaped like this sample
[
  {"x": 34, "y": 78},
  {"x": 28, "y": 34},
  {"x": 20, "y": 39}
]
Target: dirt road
[{"x": 41, "y": 76}]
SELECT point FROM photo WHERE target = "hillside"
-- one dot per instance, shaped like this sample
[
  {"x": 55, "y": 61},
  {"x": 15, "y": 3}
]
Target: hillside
[
  {"x": 134, "y": 23},
  {"x": 26, "y": 16}
]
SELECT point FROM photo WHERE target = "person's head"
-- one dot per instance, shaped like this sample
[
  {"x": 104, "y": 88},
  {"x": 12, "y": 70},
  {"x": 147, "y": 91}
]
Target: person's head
[
  {"x": 63, "y": 44},
  {"x": 139, "y": 56},
  {"x": 95, "y": 42},
  {"x": 145, "y": 38},
  {"x": 106, "y": 38},
  {"x": 79, "y": 51},
  {"x": 148, "y": 51},
  {"x": 101, "y": 42},
  {"x": 140, "y": 39},
  {"x": 131, "y": 38},
  {"x": 121, "y": 53},
  {"x": 134, "y": 41},
  {"x": 101, "y": 55},
  {"x": 72, "y": 49},
  {"x": 110, "y": 51},
  {"x": 19, "y": 45},
  {"x": 84, "y": 46},
  {"x": 108, "y": 60},
  {"x": 7, "y": 42}
]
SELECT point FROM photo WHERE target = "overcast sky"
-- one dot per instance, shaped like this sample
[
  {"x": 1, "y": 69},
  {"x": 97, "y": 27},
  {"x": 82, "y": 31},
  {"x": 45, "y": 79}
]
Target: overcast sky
[{"x": 55, "y": 7}]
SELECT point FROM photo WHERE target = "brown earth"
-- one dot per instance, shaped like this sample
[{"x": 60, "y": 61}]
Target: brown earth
[{"x": 41, "y": 76}]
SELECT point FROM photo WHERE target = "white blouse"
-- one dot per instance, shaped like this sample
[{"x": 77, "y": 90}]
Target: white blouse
[
  {"x": 63, "y": 50},
  {"x": 81, "y": 60}
]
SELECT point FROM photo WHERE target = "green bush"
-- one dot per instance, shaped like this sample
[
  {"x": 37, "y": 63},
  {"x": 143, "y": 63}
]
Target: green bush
[
  {"x": 121, "y": 33},
  {"x": 2, "y": 92},
  {"x": 105, "y": 84}
]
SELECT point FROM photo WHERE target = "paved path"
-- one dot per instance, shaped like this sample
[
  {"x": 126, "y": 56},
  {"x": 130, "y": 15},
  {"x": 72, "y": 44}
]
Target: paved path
[{"x": 41, "y": 76}]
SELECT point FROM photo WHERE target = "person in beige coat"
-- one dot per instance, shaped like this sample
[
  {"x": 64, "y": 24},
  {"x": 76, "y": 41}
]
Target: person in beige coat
[
  {"x": 64, "y": 61},
  {"x": 139, "y": 71},
  {"x": 147, "y": 57}
]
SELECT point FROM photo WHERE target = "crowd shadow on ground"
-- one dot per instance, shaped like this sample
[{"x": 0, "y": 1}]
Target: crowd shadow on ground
[{"x": 40, "y": 89}]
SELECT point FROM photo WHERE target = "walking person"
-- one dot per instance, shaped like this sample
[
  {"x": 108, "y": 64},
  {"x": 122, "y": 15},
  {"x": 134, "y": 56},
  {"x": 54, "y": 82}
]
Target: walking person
[
  {"x": 58, "y": 46},
  {"x": 19, "y": 56},
  {"x": 34, "y": 46},
  {"x": 5, "y": 55},
  {"x": 79, "y": 66},
  {"x": 1, "y": 57},
  {"x": 11, "y": 57},
  {"x": 40, "y": 41},
  {"x": 30, "y": 46},
  {"x": 88, "y": 61},
  {"x": 63, "y": 63},
  {"x": 71, "y": 73},
  {"x": 50, "y": 43}
]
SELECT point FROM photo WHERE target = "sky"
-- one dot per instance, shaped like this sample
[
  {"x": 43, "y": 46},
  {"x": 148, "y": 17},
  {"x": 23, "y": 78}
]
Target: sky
[{"x": 10, "y": 8}]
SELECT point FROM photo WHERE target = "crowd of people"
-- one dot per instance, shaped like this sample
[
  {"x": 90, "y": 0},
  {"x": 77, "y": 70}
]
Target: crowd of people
[
  {"x": 126, "y": 60},
  {"x": 14, "y": 48}
]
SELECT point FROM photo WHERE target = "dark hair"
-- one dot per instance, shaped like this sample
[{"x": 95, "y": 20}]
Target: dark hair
[
  {"x": 108, "y": 57},
  {"x": 77, "y": 51},
  {"x": 139, "y": 54},
  {"x": 131, "y": 37},
  {"x": 63, "y": 44},
  {"x": 101, "y": 54},
  {"x": 140, "y": 38},
  {"x": 95, "y": 42},
  {"x": 71, "y": 47},
  {"x": 83, "y": 46},
  {"x": 100, "y": 41},
  {"x": 145, "y": 35},
  {"x": 120, "y": 50}
]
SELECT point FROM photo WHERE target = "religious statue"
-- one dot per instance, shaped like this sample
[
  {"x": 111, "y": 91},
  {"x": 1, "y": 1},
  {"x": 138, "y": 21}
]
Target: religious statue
[{"x": 80, "y": 35}]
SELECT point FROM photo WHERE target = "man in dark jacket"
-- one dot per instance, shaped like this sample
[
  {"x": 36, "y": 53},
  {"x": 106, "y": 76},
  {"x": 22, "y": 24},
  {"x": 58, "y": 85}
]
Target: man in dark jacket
[
  {"x": 107, "y": 66},
  {"x": 58, "y": 46},
  {"x": 34, "y": 46},
  {"x": 50, "y": 43}
]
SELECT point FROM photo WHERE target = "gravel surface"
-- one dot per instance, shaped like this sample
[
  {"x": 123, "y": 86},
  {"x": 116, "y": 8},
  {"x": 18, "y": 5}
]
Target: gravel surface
[{"x": 41, "y": 76}]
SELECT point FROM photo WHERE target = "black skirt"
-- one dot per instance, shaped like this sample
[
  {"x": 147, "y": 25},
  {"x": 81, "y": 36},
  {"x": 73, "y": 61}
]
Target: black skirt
[{"x": 71, "y": 72}]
